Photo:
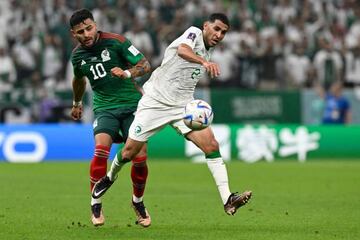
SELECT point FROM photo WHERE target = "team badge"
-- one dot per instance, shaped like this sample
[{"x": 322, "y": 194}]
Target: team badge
[
  {"x": 105, "y": 55},
  {"x": 83, "y": 62}
]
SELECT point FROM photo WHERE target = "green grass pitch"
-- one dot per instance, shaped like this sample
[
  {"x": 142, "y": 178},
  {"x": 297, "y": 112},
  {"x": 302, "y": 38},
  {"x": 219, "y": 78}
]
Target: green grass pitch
[{"x": 315, "y": 200}]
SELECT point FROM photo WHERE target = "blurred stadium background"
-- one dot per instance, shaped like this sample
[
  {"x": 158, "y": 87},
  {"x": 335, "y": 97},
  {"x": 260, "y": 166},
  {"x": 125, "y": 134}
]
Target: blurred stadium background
[
  {"x": 277, "y": 58},
  {"x": 276, "y": 61}
]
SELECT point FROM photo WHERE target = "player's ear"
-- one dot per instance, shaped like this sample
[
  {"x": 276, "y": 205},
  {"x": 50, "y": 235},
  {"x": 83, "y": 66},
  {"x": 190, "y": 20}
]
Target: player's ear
[
  {"x": 206, "y": 24},
  {"x": 72, "y": 32}
]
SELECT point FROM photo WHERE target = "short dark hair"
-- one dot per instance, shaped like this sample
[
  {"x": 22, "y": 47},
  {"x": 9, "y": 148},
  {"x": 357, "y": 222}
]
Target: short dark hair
[
  {"x": 80, "y": 16},
  {"x": 219, "y": 16}
]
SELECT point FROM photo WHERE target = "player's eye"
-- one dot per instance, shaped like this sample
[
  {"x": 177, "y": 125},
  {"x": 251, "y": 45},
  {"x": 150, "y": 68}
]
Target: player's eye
[{"x": 80, "y": 31}]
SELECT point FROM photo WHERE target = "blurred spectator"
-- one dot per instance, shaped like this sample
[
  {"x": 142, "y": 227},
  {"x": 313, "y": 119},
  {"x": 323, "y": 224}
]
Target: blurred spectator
[
  {"x": 7, "y": 71},
  {"x": 26, "y": 52},
  {"x": 111, "y": 22},
  {"x": 283, "y": 11},
  {"x": 223, "y": 56},
  {"x": 52, "y": 58},
  {"x": 328, "y": 63},
  {"x": 47, "y": 105},
  {"x": 264, "y": 38},
  {"x": 268, "y": 62},
  {"x": 247, "y": 68},
  {"x": 336, "y": 106},
  {"x": 297, "y": 67},
  {"x": 64, "y": 40},
  {"x": 140, "y": 38},
  {"x": 352, "y": 66}
]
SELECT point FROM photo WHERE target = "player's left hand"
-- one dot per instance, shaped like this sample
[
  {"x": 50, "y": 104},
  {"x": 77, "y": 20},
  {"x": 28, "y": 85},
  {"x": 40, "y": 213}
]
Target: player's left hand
[{"x": 118, "y": 72}]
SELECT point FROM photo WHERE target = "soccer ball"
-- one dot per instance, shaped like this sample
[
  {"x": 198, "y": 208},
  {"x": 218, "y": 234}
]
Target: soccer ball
[{"x": 198, "y": 115}]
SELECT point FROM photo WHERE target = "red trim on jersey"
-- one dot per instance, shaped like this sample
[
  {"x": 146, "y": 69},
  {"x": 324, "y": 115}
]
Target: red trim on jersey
[
  {"x": 107, "y": 35},
  {"x": 75, "y": 48}
]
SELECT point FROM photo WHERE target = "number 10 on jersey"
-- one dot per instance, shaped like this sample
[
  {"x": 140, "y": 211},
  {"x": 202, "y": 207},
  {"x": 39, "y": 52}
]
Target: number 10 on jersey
[{"x": 98, "y": 71}]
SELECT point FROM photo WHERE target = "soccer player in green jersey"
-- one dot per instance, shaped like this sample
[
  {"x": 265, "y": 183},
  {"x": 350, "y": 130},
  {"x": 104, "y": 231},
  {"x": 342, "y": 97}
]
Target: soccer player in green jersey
[{"x": 110, "y": 62}]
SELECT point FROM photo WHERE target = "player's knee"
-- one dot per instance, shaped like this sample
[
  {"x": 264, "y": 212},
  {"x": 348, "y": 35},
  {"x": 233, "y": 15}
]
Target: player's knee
[
  {"x": 128, "y": 152},
  {"x": 131, "y": 149}
]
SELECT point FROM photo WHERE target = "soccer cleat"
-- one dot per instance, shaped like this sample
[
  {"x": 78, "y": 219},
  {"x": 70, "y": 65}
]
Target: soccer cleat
[
  {"x": 143, "y": 217},
  {"x": 97, "y": 216},
  {"x": 101, "y": 187},
  {"x": 236, "y": 201}
]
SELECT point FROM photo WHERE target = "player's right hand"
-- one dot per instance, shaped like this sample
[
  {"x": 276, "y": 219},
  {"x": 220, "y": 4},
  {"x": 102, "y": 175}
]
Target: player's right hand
[
  {"x": 118, "y": 72},
  {"x": 76, "y": 112},
  {"x": 212, "y": 68}
]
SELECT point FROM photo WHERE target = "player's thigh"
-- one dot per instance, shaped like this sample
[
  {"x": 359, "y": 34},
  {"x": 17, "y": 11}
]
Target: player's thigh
[
  {"x": 126, "y": 117},
  {"x": 180, "y": 127},
  {"x": 106, "y": 123},
  {"x": 151, "y": 116},
  {"x": 204, "y": 139}
]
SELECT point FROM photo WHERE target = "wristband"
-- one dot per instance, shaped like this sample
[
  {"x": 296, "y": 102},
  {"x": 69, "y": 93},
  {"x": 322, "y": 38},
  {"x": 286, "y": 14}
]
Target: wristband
[
  {"x": 77, "y": 104},
  {"x": 128, "y": 73}
]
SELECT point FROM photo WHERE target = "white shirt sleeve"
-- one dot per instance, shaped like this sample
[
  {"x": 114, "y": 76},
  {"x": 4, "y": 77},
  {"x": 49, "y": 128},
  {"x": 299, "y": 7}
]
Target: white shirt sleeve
[{"x": 191, "y": 36}]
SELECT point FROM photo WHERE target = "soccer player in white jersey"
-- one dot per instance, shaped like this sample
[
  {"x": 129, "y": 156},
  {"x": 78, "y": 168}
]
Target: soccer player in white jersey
[{"x": 167, "y": 91}]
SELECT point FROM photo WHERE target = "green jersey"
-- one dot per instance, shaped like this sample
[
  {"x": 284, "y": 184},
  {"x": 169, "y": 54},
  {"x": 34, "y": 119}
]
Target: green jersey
[{"x": 111, "y": 50}]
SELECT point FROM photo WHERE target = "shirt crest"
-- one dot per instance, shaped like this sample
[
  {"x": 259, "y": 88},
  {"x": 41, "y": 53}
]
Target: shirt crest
[{"x": 105, "y": 55}]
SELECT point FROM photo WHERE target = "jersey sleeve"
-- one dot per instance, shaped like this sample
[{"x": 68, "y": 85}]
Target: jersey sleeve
[
  {"x": 129, "y": 52},
  {"x": 191, "y": 36},
  {"x": 78, "y": 74}
]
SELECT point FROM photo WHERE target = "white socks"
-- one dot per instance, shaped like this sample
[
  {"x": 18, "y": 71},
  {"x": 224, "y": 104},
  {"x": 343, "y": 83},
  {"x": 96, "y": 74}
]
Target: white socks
[
  {"x": 218, "y": 170},
  {"x": 137, "y": 199},
  {"x": 95, "y": 201},
  {"x": 115, "y": 168}
]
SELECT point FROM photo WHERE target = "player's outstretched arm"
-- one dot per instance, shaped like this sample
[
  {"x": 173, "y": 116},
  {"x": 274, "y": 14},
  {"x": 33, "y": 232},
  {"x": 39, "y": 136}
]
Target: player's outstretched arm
[
  {"x": 142, "y": 67},
  {"x": 186, "y": 52}
]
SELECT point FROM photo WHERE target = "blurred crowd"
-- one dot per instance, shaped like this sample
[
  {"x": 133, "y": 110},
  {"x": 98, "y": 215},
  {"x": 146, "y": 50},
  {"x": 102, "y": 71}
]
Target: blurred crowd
[{"x": 272, "y": 44}]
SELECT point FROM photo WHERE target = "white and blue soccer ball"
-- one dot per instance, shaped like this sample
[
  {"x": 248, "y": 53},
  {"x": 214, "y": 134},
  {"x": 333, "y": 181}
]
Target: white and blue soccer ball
[{"x": 198, "y": 114}]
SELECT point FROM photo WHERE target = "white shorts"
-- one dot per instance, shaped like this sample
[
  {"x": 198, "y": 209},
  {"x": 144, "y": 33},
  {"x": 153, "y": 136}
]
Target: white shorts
[{"x": 151, "y": 116}]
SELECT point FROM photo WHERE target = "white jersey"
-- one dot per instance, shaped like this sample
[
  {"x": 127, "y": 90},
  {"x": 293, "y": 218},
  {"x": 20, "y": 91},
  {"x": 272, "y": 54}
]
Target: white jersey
[{"x": 174, "y": 82}]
